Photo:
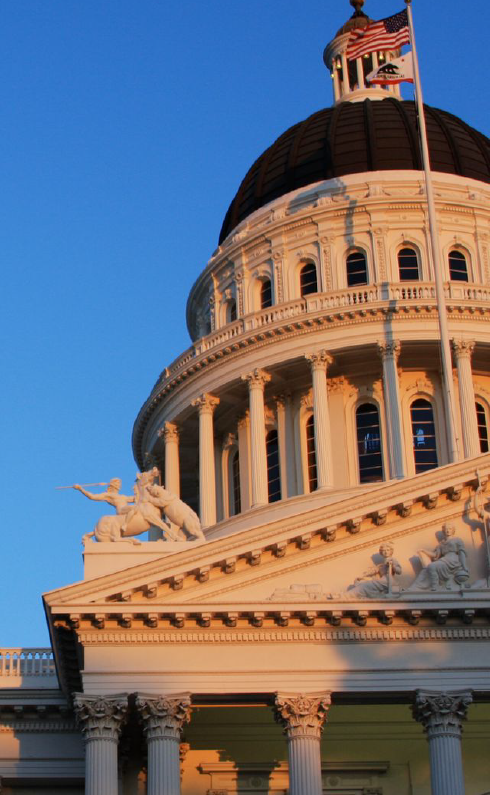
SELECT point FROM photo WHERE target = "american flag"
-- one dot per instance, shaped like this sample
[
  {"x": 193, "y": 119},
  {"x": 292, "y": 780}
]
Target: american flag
[{"x": 387, "y": 34}]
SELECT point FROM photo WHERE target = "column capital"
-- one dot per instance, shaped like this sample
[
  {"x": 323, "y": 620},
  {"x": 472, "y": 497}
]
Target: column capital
[
  {"x": 99, "y": 717},
  {"x": 206, "y": 403},
  {"x": 319, "y": 360},
  {"x": 169, "y": 431},
  {"x": 257, "y": 379},
  {"x": 164, "y": 716},
  {"x": 302, "y": 715},
  {"x": 463, "y": 349},
  {"x": 441, "y": 712},
  {"x": 388, "y": 348}
]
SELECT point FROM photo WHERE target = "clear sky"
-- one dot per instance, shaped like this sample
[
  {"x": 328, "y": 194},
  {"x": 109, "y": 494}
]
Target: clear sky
[{"x": 127, "y": 126}]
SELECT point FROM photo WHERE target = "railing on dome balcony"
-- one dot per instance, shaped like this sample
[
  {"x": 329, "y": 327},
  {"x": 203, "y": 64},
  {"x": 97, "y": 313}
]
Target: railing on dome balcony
[
  {"x": 386, "y": 293},
  {"x": 27, "y": 662}
]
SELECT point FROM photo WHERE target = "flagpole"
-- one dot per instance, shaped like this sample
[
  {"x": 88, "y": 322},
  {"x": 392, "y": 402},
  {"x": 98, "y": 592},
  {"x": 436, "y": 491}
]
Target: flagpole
[{"x": 447, "y": 370}]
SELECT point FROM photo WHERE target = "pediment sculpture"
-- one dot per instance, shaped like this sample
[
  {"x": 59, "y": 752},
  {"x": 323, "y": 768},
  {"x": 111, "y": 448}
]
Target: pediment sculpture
[
  {"x": 139, "y": 512},
  {"x": 377, "y": 581},
  {"x": 445, "y": 566}
]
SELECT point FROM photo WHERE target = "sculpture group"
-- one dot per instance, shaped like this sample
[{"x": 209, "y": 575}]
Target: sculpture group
[{"x": 139, "y": 512}]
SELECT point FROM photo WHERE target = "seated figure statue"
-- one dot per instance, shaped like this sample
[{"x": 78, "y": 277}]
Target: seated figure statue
[
  {"x": 443, "y": 565},
  {"x": 377, "y": 580}
]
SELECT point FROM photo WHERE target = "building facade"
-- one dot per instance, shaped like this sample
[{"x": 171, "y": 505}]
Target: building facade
[{"x": 330, "y": 633}]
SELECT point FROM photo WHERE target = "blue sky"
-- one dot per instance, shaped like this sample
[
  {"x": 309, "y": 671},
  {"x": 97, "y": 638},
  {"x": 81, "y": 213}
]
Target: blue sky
[{"x": 127, "y": 126}]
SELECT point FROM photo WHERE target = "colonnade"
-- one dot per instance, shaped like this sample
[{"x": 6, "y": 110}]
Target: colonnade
[
  {"x": 303, "y": 717},
  {"x": 257, "y": 379}
]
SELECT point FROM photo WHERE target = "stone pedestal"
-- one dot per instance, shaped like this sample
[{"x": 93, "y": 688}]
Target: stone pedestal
[
  {"x": 319, "y": 363},
  {"x": 206, "y": 405},
  {"x": 463, "y": 351},
  {"x": 163, "y": 719},
  {"x": 442, "y": 715},
  {"x": 101, "y": 720},
  {"x": 256, "y": 385},
  {"x": 303, "y": 717},
  {"x": 389, "y": 353}
]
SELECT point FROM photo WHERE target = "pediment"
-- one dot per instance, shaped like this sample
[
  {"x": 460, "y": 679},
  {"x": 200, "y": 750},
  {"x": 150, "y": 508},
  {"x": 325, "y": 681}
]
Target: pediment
[{"x": 314, "y": 559}]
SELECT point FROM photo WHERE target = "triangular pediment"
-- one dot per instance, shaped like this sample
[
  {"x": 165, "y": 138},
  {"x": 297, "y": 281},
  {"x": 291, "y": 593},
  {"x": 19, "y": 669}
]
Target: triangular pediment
[{"x": 313, "y": 557}]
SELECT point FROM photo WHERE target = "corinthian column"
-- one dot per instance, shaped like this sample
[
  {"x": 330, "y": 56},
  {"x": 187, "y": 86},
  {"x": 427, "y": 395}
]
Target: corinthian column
[
  {"x": 463, "y": 351},
  {"x": 100, "y": 720},
  {"x": 442, "y": 715},
  {"x": 170, "y": 434},
  {"x": 389, "y": 353},
  {"x": 206, "y": 405},
  {"x": 319, "y": 363},
  {"x": 163, "y": 720},
  {"x": 257, "y": 380},
  {"x": 303, "y": 718}
]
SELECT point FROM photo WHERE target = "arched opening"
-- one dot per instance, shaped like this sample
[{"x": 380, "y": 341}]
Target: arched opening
[
  {"x": 356, "y": 266},
  {"x": 266, "y": 294},
  {"x": 369, "y": 453},
  {"x": 236, "y": 501},
  {"x": 311, "y": 453},
  {"x": 423, "y": 435},
  {"x": 458, "y": 267},
  {"x": 408, "y": 265},
  {"x": 481, "y": 418},
  {"x": 273, "y": 471},
  {"x": 308, "y": 280}
]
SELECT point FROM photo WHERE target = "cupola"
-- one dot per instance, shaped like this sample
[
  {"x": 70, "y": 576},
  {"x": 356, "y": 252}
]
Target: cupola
[{"x": 349, "y": 77}]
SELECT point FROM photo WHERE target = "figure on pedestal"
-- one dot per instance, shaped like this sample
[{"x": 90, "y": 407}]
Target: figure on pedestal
[{"x": 444, "y": 565}]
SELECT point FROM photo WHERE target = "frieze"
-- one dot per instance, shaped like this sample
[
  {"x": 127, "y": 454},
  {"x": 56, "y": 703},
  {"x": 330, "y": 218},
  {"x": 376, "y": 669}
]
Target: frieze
[
  {"x": 40, "y": 727},
  {"x": 289, "y": 635}
]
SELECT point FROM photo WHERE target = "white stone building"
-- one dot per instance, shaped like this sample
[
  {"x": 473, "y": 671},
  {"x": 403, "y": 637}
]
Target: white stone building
[{"x": 331, "y": 633}]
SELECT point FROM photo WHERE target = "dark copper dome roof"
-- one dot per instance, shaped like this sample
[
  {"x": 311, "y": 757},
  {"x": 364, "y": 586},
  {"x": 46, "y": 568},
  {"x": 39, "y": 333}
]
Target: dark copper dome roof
[{"x": 354, "y": 137}]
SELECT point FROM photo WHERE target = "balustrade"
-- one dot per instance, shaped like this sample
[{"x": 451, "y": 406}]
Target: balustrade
[{"x": 27, "y": 662}]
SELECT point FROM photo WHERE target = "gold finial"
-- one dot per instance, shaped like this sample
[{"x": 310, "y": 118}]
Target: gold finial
[{"x": 357, "y": 5}]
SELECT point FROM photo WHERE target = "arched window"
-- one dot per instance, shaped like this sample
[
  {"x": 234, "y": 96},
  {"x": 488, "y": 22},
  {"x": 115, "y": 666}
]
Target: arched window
[
  {"x": 458, "y": 267},
  {"x": 311, "y": 453},
  {"x": 266, "y": 294},
  {"x": 231, "y": 311},
  {"x": 481, "y": 418},
  {"x": 356, "y": 265},
  {"x": 236, "y": 501},
  {"x": 423, "y": 435},
  {"x": 307, "y": 279},
  {"x": 273, "y": 472},
  {"x": 408, "y": 265},
  {"x": 369, "y": 443}
]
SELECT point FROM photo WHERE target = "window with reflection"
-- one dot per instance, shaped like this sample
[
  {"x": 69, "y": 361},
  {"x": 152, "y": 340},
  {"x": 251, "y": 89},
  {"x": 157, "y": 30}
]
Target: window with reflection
[
  {"x": 311, "y": 453},
  {"x": 356, "y": 265},
  {"x": 273, "y": 471},
  {"x": 236, "y": 505},
  {"x": 458, "y": 267},
  {"x": 369, "y": 443},
  {"x": 481, "y": 417},
  {"x": 266, "y": 294},
  {"x": 423, "y": 435},
  {"x": 408, "y": 265},
  {"x": 308, "y": 280}
]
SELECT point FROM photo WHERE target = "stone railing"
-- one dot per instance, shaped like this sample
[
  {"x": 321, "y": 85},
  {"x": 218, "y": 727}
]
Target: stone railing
[
  {"x": 366, "y": 295},
  {"x": 20, "y": 663}
]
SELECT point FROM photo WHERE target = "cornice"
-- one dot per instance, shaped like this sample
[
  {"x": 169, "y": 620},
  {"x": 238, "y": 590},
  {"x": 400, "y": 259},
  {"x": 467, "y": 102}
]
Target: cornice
[{"x": 287, "y": 329}]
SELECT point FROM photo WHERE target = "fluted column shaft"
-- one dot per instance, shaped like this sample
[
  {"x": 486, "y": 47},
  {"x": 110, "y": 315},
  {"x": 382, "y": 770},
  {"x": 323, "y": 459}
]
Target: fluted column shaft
[
  {"x": 101, "y": 720},
  {"x": 256, "y": 385},
  {"x": 170, "y": 434},
  {"x": 324, "y": 469},
  {"x": 442, "y": 715},
  {"x": 463, "y": 351},
  {"x": 163, "y": 720},
  {"x": 389, "y": 353},
  {"x": 206, "y": 405},
  {"x": 303, "y": 717}
]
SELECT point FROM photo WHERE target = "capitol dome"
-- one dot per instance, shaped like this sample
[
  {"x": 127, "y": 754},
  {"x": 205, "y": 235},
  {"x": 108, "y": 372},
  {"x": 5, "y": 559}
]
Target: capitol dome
[{"x": 354, "y": 138}]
